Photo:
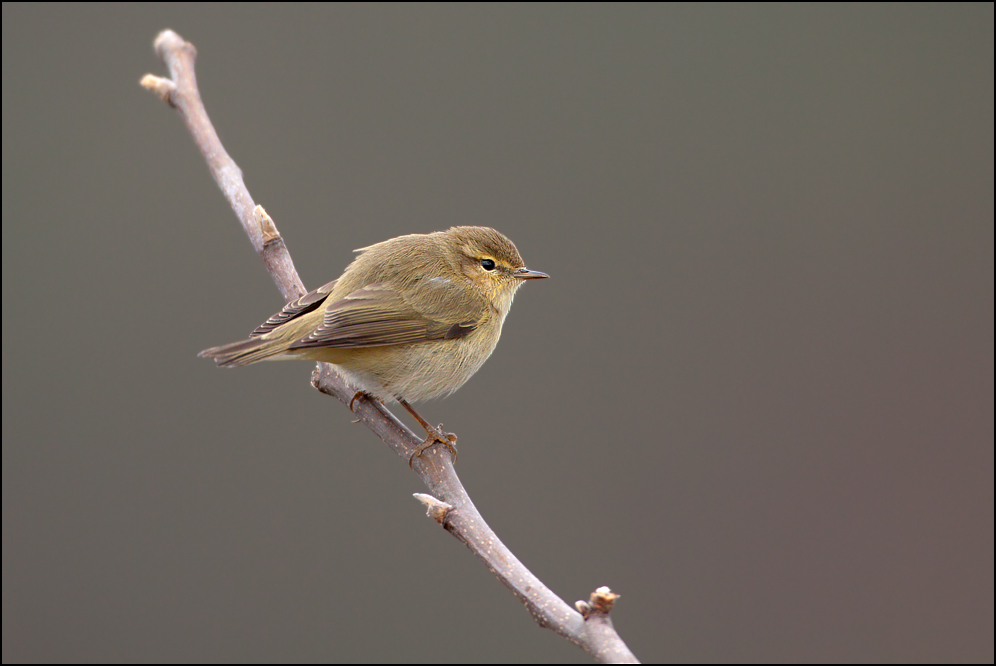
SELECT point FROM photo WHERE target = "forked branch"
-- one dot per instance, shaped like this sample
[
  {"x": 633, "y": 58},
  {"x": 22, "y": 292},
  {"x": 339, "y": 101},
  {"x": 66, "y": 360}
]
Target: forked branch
[{"x": 591, "y": 629}]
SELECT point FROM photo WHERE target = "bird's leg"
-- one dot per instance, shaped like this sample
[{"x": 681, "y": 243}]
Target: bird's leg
[{"x": 434, "y": 434}]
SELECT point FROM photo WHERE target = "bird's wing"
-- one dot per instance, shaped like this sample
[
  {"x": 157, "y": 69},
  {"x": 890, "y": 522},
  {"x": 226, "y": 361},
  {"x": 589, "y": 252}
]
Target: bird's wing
[
  {"x": 378, "y": 315},
  {"x": 302, "y": 306}
]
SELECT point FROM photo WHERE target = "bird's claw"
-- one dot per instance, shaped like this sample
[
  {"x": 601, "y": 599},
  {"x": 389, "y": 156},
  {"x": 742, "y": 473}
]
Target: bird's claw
[
  {"x": 358, "y": 394},
  {"x": 435, "y": 435}
]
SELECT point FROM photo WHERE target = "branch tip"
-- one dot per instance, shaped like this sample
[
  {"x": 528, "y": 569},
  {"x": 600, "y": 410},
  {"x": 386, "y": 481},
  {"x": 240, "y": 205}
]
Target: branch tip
[
  {"x": 164, "y": 38},
  {"x": 600, "y": 602},
  {"x": 167, "y": 41},
  {"x": 160, "y": 86},
  {"x": 434, "y": 508}
]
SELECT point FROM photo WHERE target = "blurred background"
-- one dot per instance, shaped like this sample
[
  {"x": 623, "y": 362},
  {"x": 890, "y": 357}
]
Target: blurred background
[{"x": 755, "y": 399}]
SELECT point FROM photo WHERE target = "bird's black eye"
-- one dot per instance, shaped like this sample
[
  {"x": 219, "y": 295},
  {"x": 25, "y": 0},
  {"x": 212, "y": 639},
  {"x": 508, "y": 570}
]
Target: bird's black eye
[{"x": 488, "y": 264}]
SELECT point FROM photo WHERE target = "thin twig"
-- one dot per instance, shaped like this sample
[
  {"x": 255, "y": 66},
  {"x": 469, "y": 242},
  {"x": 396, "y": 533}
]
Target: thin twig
[{"x": 450, "y": 505}]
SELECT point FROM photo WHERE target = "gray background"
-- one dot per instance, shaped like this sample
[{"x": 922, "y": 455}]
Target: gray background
[{"x": 756, "y": 398}]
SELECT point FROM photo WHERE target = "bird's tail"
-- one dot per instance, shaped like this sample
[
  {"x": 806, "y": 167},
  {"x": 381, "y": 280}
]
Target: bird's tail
[{"x": 245, "y": 352}]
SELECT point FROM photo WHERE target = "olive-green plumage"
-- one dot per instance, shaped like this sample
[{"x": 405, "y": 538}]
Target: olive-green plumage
[{"x": 411, "y": 318}]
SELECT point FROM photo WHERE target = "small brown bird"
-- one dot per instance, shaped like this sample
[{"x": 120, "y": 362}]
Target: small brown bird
[{"x": 411, "y": 318}]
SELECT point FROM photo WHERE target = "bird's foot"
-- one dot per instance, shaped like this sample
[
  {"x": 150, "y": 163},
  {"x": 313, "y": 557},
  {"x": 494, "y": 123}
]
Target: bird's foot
[
  {"x": 357, "y": 396},
  {"x": 435, "y": 435}
]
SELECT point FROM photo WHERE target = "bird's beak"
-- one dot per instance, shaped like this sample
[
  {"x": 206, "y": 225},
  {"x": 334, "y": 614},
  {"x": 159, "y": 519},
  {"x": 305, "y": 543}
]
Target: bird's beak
[{"x": 526, "y": 274}]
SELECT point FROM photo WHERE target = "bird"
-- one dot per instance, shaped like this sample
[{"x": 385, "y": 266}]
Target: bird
[{"x": 410, "y": 319}]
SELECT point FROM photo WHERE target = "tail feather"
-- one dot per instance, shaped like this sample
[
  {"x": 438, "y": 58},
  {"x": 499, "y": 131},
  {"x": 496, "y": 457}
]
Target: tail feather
[{"x": 245, "y": 352}]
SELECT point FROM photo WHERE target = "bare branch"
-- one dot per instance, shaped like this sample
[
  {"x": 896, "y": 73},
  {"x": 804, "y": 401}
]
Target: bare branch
[
  {"x": 592, "y": 629},
  {"x": 180, "y": 92}
]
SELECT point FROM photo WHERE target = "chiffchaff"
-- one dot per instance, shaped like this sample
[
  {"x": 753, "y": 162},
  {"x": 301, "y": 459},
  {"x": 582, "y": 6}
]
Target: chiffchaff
[{"x": 411, "y": 318}]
